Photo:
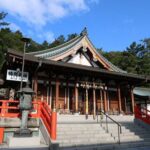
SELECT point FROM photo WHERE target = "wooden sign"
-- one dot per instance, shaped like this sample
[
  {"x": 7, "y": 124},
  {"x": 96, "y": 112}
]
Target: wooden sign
[{"x": 14, "y": 75}]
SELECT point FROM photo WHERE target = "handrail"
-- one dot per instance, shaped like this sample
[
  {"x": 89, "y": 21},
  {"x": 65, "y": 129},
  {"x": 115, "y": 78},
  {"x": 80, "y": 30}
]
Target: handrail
[
  {"x": 142, "y": 114},
  {"x": 10, "y": 108},
  {"x": 106, "y": 122}
]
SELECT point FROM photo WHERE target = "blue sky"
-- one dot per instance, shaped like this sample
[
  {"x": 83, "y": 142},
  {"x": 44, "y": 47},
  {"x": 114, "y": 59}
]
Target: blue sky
[{"x": 112, "y": 24}]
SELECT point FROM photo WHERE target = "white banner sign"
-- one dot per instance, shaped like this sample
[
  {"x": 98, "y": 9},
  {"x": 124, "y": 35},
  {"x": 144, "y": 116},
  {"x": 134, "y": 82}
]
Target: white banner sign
[{"x": 14, "y": 75}]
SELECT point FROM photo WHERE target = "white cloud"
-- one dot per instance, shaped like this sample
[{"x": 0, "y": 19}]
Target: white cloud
[
  {"x": 37, "y": 13},
  {"x": 14, "y": 27},
  {"x": 48, "y": 36},
  {"x": 94, "y": 1},
  {"x": 40, "y": 12}
]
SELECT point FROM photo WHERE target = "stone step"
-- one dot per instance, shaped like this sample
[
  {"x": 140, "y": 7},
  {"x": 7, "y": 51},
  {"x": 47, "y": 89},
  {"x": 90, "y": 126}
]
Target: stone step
[
  {"x": 79, "y": 142},
  {"x": 82, "y": 135},
  {"x": 122, "y": 126},
  {"x": 90, "y": 147},
  {"x": 79, "y": 128},
  {"x": 88, "y": 136},
  {"x": 138, "y": 130},
  {"x": 133, "y": 133},
  {"x": 122, "y": 146},
  {"x": 129, "y": 133},
  {"x": 137, "y": 135},
  {"x": 135, "y": 138},
  {"x": 78, "y": 133},
  {"x": 78, "y": 125},
  {"x": 81, "y": 131}
]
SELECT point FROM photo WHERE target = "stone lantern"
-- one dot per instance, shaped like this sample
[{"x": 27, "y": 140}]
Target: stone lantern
[{"x": 25, "y": 105}]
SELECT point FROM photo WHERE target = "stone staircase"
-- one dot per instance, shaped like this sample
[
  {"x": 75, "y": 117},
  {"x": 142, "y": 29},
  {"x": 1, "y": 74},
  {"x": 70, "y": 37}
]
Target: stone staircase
[
  {"x": 133, "y": 134},
  {"x": 37, "y": 141},
  {"x": 77, "y": 133}
]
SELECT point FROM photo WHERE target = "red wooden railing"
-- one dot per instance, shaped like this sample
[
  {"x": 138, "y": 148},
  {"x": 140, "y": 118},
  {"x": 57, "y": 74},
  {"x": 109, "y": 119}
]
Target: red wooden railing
[
  {"x": 142, "y": 114},
  {"x": 9, "y": 108}
]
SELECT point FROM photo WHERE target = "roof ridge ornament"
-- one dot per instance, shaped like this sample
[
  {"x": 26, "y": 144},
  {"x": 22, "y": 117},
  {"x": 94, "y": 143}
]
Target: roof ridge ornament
[{"x": 84, "y": 32}]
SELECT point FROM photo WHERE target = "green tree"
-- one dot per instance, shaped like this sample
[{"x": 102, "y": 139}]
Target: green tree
[
  {"x": 71, "y": 36},
  {"x": 45, "y": 45},
  {"x": 58, "y": 41},
  {"x": 2, "y": 45},
  {"x": 135, "y": 59},
  {"x": 61, "y": 39},
  {"x": 2, "y": 17},
  {"x": 34, "y": 46}
]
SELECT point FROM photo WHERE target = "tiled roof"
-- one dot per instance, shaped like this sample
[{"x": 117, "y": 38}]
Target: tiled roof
[
  {"x": 31, "y": 58},
  {"x": 115, "y": 68},
  {"x": 58, "y": 49},
  {"x": 66, "y": 47}
]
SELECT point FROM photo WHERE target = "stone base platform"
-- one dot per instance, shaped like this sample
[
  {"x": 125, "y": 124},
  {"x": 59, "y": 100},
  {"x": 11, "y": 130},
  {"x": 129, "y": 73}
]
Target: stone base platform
[{"x": 23, "y": 141}]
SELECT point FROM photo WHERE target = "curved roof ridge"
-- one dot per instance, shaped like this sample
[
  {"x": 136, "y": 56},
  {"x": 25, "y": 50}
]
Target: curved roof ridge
[
  {"x": 56, "y": 47},
  {"x": 61, "y": 50},
  {"x": 105, "y": 59}
]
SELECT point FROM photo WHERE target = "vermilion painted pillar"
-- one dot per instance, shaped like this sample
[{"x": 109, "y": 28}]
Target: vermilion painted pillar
[
  {"x": 4, "y": 109},
  {"x": 119, "y": 99},
  {"x": 54, "y": 125},
  {"x": 1, "y": 135}
]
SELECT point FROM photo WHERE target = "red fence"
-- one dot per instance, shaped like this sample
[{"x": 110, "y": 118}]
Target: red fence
[
  {"x": 9, "y": 108},
  {"x": 142, "y": 114}
]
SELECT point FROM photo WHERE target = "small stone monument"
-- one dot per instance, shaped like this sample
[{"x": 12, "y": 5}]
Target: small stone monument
[
  {"x": 25, "y": 105},
  {"x": 11, "y": 94}
]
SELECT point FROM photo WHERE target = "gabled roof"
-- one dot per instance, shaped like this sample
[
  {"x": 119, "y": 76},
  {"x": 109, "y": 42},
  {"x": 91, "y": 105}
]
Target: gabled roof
[
  {"x": 48, "y": 53},
  {"x": 141, "y": 91},
  {"x": 15, "y": 55},
  {"x": 71, "y": 47}
]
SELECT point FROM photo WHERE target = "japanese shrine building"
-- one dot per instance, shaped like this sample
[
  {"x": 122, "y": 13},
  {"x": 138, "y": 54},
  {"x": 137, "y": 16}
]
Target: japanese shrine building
[{"x": 74, "y": 77}]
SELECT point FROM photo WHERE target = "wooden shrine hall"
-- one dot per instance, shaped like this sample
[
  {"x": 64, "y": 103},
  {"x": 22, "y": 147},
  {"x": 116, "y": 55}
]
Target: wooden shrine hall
[{"x": 75, "y": 78}]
